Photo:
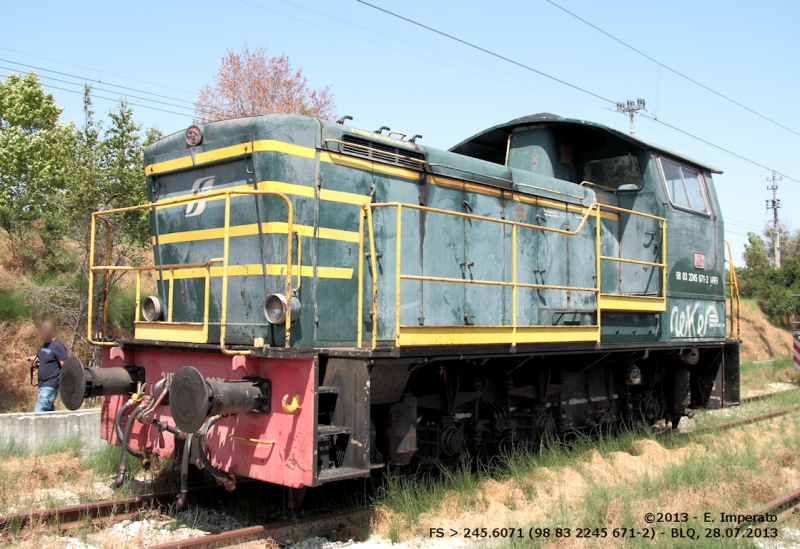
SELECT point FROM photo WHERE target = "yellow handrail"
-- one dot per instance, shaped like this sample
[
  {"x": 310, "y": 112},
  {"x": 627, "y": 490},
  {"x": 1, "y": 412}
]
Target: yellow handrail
[
  {"x": 733, "y": 284},
  {"x": 595, "y": 209},
  {"x": 227, "y": 194},
  {"x": 299, "y": 260},
  {"x": 599, "y": 186},
  {"x": 397, "y": 255}
]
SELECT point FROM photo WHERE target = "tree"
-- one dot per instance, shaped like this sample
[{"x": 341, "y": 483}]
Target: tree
[
  {"x": 52, "y": 178},
  {"x": 249, "y": 83},
  {"x": 773, "y": 287},
  {"x": 757, "y": 266},
  {"x": 107, "y": 172},
  {"x": 34, "y": 155}
]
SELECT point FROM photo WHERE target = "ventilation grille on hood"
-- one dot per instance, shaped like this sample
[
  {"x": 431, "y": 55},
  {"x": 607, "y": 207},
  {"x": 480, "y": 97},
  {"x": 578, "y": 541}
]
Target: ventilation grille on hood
[{"x": 379, "y": 152}]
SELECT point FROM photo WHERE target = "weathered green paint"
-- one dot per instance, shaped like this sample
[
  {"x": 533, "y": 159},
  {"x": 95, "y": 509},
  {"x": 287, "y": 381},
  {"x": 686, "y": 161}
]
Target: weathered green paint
[{"x": 439, "y": 245}]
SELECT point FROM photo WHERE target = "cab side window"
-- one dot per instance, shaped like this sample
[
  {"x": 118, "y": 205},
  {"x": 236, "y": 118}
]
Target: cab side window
[
  {"x": 619, "y": 173},
  {"x": 684, "y": 186}
]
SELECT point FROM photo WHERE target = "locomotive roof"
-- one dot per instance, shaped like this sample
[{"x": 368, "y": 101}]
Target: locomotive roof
[{"x": 497, "y": 136}]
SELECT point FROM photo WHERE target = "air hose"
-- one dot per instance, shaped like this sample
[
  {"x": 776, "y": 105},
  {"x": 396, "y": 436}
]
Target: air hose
[
  {"x": 187, "y": 449},
  {"x": 119, "y": 479},
  {"x": 118, "y": 428},
  {"x": 228, "y": 481}
]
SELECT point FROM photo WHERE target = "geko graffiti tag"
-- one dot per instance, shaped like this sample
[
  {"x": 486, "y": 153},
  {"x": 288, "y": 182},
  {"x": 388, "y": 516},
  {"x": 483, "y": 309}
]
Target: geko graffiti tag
[{"x": 691, "y": 321}]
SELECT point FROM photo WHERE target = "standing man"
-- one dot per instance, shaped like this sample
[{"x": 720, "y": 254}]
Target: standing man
[{"x": 49, "y": 361}]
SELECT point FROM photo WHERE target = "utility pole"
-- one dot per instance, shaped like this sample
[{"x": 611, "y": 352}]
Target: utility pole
[
  {"x": 775, "y": 205},
  {"x": 630, "y": 108}
]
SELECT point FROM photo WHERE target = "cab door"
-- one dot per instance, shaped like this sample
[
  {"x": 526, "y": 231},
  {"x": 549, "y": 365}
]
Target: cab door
[
  {"x": 486, "y": 258},
  {"x": 442, "y": 254},
  {"x": 640, "y": 239},
  {"x": 696, "y": 272}
]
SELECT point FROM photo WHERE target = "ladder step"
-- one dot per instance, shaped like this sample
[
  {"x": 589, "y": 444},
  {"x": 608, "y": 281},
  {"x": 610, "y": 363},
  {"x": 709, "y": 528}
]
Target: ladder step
[
  {"x": 341, "y": 473},
  {"x": 327, "y": 430},
  {"x": 323, "y": 389}
]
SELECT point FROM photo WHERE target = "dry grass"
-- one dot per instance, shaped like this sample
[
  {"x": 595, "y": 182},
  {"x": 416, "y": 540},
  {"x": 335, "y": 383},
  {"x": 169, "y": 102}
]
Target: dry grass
[
  {"x": 731, "y": 471},
  {"x": 766, "y": 377},
  {"x": 19, "y": 341},
  {"x": 36, "y": 481},
  {"x": 760, "y": 339}
]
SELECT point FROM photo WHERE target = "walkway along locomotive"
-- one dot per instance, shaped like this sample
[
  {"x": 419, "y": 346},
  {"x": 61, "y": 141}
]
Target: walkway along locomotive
[{"x": 332, "y": 300}]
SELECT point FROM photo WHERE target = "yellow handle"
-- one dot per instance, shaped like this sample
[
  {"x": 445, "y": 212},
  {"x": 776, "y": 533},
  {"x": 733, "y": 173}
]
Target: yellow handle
[{"x": 292, "y": 407}]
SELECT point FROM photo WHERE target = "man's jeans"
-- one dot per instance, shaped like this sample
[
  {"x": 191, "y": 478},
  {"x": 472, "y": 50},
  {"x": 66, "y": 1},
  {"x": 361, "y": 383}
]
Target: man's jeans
[{"x": 46, "y": 400}]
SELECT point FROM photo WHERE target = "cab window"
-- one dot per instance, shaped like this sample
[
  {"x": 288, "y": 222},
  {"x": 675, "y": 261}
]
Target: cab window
[
  {"x": 618, "y": 173},
  {"x": 684, "y": 186}
]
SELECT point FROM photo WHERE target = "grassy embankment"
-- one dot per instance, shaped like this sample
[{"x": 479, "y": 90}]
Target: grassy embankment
[
  {"x": 24, "y": 296},
  {"x": 612, "y": 482}
]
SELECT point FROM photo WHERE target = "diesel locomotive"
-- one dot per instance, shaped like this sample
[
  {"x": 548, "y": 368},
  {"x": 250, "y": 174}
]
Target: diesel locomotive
[{"x": 331, "y": 301}]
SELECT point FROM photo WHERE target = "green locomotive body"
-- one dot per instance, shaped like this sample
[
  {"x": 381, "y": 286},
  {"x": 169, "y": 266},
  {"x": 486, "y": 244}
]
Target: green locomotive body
[
  {"x": 544, "y": 276},
  {"x": 527, "y": 172}
]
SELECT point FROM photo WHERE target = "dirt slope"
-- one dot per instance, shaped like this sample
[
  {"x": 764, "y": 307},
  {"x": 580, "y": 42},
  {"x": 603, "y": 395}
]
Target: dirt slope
[{"x": 760, "y": 339}]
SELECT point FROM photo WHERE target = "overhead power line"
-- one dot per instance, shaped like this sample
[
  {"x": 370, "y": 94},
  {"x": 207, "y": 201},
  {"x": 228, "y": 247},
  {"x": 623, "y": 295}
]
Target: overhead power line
[
  {"x": 516, "y": 82},
  {"x": 723, "y": 149},
  {"x": 97, "y": 70},
  {"x": 744, "y": 224},
  {"x": 479, "y": 48},
  {"x": 117, "y": 100},
  {"x": 675, "y": 71},
  {"x": 107, "y": 90},
  {"x": 471, "y": 45},
  {"x": 93, "y": 80}
]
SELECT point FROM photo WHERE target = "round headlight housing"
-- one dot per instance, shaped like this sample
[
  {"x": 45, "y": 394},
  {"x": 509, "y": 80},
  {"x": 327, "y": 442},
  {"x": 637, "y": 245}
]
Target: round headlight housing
[
  {"x": 275, "y": 308},
  {"x": 152, "y": 309}
]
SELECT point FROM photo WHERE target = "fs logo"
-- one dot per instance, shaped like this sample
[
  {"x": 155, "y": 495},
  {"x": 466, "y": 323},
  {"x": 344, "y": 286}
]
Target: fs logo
[{"x": 200, "y": 186}]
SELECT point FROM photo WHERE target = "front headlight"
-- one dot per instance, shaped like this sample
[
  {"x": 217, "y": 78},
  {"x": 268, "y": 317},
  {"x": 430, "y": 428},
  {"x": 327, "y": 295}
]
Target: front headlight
[
  {"x": 275, "y": 308},
  {"x": 152, "y": 309}
]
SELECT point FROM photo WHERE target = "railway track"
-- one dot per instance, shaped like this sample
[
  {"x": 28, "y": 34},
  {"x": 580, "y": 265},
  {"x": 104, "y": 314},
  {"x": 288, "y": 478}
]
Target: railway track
[
  {"x": 107, "y": 512},
  {"x": 765, "y": 396},
  {"x": 110, "y": 511},
  {"x": 789, "y": 499},
  {"x": 753, "y": 419},
  {"x": 72, "y": 516},
  {"x": 285, "y": 531}
]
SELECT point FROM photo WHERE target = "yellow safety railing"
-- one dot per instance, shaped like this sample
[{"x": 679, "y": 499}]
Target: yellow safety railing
[
  {"x": 611, "y": 301},
  {"x": 195, "y": 332},
  {"x": 733, "y": 285}
]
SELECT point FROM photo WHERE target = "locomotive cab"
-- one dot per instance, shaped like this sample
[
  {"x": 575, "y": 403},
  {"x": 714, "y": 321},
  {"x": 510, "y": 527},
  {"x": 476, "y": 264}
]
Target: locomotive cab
[{"x": 630, "y": 174}]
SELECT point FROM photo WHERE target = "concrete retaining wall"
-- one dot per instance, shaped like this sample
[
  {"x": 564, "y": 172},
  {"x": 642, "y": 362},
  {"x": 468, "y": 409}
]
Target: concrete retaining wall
[{"x": 49, "y": 429}]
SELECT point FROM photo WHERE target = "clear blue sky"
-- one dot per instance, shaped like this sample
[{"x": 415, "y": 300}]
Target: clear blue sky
[{"x": 383, "y": 71}]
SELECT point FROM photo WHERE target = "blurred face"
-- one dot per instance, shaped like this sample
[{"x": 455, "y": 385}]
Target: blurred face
[{"x": 47, "y": 331}]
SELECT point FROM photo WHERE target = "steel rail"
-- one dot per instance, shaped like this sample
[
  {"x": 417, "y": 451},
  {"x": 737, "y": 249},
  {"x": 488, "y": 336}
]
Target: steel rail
[
  {"x": 292, "y": 529},
  {"x": 724, "y": 426},
  {"x": 72, "y": 516},
  {"x": 755, "y": 419},
  {"x": 776, "y": 503},
  {"x": 764, "y": 396}
]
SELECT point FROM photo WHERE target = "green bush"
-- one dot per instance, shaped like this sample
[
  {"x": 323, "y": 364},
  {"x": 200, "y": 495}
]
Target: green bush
[
  {"x": 771, "y": 286},
  {"x": 122, "y": 308},
  {"x": 12, "y": 305}
]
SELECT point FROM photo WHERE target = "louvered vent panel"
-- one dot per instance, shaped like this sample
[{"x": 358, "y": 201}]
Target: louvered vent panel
[{"x": 377, "y": 152}]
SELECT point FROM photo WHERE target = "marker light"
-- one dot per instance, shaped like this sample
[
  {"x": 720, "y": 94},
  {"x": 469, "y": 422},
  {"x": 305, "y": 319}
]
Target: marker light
[
  {"x": 275, "y": 308},
  {"x": 152, "y": 309}
]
